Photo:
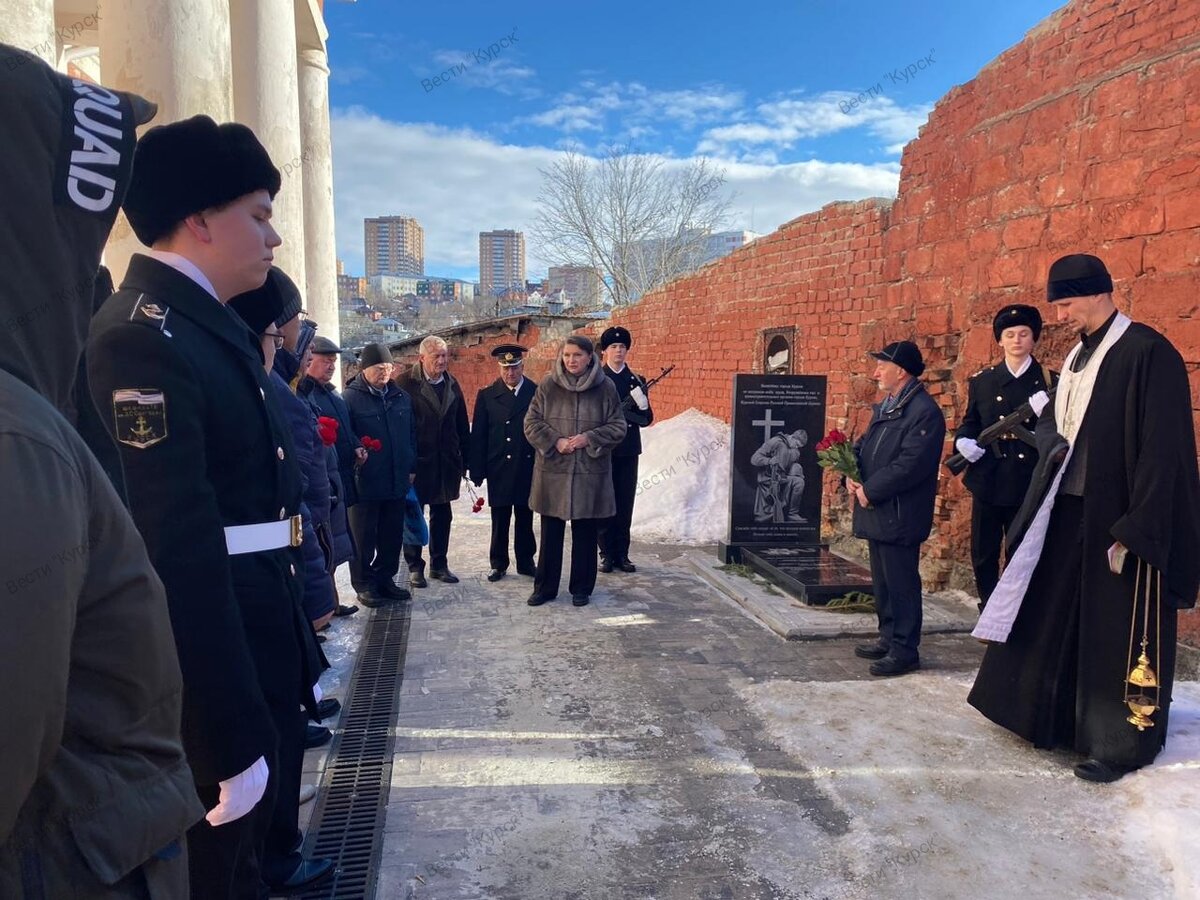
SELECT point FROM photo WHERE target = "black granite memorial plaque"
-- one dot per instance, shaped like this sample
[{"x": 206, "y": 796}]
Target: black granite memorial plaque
[
  {"x": 775, "y": 498},
  {"x": 812, "y": 574}
]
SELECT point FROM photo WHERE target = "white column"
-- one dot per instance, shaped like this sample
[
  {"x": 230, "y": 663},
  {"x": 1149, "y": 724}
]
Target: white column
[
  {"x": 320, "y": 252},
  {"x": 266, "y": 97},
  {"x": 175, "y": 54},
  {"x": 29, "y": 25}
]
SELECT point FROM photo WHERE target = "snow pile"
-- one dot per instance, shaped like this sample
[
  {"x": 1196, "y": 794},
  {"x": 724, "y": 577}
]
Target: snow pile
[{"x": 683, "y": 481}]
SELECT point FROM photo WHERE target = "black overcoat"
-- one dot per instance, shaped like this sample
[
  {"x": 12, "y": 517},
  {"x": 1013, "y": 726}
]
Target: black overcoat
[
  {"x": 204, "y": 446},
  {"x": 636, "y": 419},
  {"x": 1003, "y": 475},
  {"x": 443, "y": 435},
  {"x": 330, "y": 403},
  {"x": 500, "y": 453}
]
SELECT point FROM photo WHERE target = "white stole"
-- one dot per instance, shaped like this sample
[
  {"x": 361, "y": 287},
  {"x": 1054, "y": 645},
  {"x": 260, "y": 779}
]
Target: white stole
[{"x": 1071, "y": 401}]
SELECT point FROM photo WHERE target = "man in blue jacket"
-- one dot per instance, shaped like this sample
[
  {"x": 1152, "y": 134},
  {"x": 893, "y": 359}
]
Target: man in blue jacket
[{"x": 898, "y": 459}]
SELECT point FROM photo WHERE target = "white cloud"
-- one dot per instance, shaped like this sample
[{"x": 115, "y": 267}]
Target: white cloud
[{"x": 458, "y": 182}]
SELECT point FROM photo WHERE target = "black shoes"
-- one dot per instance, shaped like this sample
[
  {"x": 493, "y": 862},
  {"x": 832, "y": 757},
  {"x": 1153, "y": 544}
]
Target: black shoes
[
  {"x": 580, "y": 600},
  {"x": 443, "y": 575},
  {"x": 1100, "y": 772},
  {"x": 316, "y": 736},
  {"x": 495, "y": 575},
  {"x": 626, "y": 566},
  {"x": 606, "y": 565},
  {"x": 529, "y": 568},
  {"x": 889, "y": 665},
  {"x": 308, "y": 873},
  {"x": 330, "y": 706},
  {"x": 416, "y": 578},
  {"x": 391, "y": 592},
  {"x": 344, "y": 609},
  {"x": 536, "y": 599},
  {"x": 870, "y": 651}
]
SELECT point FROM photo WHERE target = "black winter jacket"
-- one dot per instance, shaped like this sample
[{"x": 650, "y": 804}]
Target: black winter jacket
[{"x": 388, "y": 419}]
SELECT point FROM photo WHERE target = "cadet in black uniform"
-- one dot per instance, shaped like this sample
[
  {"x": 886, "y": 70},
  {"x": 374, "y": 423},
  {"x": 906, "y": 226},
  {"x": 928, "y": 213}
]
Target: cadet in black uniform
[
  {"x": 614, "y": 532},
  {"x": 501, "y": 456},
  {"x": 999, "y": 475},
  {"x": 180, "y": 381}
]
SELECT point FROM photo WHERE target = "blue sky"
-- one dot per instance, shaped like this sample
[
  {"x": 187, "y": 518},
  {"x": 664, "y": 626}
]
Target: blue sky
[{"x": 762, "y": 89}]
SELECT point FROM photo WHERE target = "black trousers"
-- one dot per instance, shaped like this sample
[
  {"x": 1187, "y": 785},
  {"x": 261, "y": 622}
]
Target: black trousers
[
  {"x": 281, "y": 846},
  {"x": 989, "y": 525},
  {"x": 225, "y": 862},
  {"x": 440, "y": 516},
  {"x": 614, "y": 531},
  {"x": 378, "y": 529},
  {"x": 583, "y": 557},
  {"x": 897, "y": 585},
  {"x": 524, "y": 544}
]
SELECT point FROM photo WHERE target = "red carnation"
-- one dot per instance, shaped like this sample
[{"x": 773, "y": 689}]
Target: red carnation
[
  {"x": 327, "y": 428},
  {"x": 371, "y": 443}
]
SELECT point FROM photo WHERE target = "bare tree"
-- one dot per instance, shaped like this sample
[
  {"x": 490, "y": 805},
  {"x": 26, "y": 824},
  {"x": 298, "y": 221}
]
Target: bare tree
[{"x": 638, "y": 219}]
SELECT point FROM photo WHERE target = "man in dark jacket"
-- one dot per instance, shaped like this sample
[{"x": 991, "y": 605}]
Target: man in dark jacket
[
  {"x": 381, "y": 414},
  {"x": 999, "y": 475},
  {"x": 501, "y": 456},
  {"x": 635, "y": 405},
  {"x": 208, "y": 463},
  {"x": 97, "y": 794},
  {"x": 898, "y": 458},
  {"x": 443, "y": 435}
]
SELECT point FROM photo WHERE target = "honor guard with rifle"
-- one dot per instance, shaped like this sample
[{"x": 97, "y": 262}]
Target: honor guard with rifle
[
  {"x": 1001, "y": 465},
  {"x": 635, "y": 404}
]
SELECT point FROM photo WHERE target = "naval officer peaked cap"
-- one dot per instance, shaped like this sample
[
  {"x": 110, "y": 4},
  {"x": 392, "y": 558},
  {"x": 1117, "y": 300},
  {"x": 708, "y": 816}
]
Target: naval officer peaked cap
[
  {"x": 190, "y": 166},
  {"x": 1018, "y": 314},
  {"x": 509, "y": 355}
]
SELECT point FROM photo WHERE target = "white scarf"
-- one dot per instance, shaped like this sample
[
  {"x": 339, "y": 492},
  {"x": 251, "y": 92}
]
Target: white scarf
[{"x": 1071, "y": 402}]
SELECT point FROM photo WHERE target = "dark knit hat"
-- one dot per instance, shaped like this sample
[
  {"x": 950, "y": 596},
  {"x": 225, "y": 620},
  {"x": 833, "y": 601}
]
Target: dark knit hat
[
  {"x": 374, "y": 354},
  {"x": 290, "y": 294},
  {"x": 1018, "y": 314},
  {"x": 904, "y": 354},
  {"x": 1076, "y": 275},
  {"x": 189, "y": 166},
  {"x": 260, "y": 307},
  {"x": 615, "y": 335}
]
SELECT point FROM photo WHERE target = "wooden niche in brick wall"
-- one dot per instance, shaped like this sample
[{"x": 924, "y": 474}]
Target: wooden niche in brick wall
[{"x": 778, "y": 350}]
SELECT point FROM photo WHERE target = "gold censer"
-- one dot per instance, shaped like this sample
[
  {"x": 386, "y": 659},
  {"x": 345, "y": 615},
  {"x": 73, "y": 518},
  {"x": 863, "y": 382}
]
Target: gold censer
[{"x": 1142, "y": 687}]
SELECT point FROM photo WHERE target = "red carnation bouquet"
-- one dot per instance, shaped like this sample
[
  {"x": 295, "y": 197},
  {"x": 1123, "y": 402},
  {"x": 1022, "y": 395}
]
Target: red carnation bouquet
[
  {"x": 836, "y": 452},
  {"x": 327, "y": 428},
  {"x": 370, "y": 443},
  {"x": 476, "y": 500}
]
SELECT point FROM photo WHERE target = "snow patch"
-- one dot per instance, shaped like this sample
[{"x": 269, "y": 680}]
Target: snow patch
[{"x": 683, "y": 481}]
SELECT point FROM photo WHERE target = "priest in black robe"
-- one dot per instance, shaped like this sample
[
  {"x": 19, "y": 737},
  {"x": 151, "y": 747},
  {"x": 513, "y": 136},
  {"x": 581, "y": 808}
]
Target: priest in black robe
[{"x": 1124, "y": 497}]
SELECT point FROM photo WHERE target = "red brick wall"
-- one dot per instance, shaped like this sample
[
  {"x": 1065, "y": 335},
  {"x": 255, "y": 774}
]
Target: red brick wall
[{"x": 1085, "y": 137}]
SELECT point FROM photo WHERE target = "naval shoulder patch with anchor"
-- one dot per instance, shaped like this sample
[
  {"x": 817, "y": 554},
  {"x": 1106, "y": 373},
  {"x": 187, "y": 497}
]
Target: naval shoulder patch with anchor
[{"x": 140, "y": 416}]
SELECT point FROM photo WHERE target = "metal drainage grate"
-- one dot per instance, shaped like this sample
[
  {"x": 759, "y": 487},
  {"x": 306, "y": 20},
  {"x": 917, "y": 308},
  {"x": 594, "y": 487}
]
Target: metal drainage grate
[{"x": 347, "y": 825}]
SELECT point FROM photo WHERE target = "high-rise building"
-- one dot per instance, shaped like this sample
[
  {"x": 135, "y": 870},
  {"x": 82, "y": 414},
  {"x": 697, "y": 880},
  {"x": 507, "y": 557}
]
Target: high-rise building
[
  {"x": 582, "y": 284},
  {"x": 501, "y": 262},
  {"x": 394, "y": 245}
]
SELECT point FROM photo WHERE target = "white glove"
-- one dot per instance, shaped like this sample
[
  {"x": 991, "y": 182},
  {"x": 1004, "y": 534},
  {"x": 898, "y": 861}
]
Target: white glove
[
  {"x": 639, "y": 397},
  {"x": 317, "y": 695},
  {"x": 1116, "y": 557},
  {"x": 969, "y": 449},
  {"x": 1038, "y": 401},
  {"x": 239, "y": 794}
]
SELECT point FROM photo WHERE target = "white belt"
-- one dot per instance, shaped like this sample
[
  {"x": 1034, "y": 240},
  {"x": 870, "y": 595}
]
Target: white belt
[{"x": 266, "y": 536}]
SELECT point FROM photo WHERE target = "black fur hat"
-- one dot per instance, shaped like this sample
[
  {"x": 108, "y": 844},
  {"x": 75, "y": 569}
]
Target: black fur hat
[
  {"x": 185, "y": 167},
  {"x": 1018, "y": 314}
]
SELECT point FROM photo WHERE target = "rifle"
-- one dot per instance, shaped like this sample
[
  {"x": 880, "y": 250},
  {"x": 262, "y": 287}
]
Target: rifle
[
  {"x": 1010, "y": 424},
  {"x": 629, "y": 403}
]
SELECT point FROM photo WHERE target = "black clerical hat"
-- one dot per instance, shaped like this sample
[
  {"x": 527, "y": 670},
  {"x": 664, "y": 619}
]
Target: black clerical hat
[
  {"x": 185, "y": 167},
  {"x": 1077, "y": 275}
]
